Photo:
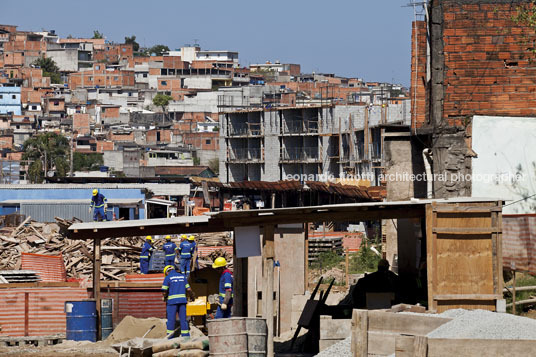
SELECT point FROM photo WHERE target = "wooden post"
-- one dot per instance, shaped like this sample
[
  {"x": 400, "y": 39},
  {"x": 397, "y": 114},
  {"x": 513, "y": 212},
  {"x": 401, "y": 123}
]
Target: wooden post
[
  {"x": 306, "y": 278},
  {"x": 26, "y": 314},
  {"x": 268, "y": 285},
  {"x": 347, "y": 268},
  {"x": 96, "y": 281},
  {"x": 514, "y": 295},
  {"x": 420, "y": 346},
  {"x": 359, "y": 333}
]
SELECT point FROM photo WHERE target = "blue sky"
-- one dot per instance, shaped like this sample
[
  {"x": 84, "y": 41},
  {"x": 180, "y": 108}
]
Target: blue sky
[{"x": 369, "y": 39}]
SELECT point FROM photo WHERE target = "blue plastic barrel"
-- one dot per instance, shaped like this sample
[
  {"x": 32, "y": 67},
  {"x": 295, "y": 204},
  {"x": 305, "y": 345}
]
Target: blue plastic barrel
[
  {"x": 106, "y": 317},
  {"x": 81, "y": 320}
]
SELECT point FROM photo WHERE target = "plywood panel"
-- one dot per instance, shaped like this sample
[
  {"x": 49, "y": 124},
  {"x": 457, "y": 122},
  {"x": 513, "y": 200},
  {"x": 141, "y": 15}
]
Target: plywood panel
[{"x": 462, "y": 255}]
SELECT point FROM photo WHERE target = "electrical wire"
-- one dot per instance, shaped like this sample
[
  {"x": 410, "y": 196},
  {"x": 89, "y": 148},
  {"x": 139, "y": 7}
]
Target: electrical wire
[{"x": 523, "y": 199}]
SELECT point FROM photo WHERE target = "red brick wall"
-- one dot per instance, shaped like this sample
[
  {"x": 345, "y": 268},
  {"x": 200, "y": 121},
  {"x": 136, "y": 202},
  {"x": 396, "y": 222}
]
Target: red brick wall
[
  {"x": 199, "y": 140},
  {"x": 81, "y": 123},
  {"x": 419, "y": 104},
  {"x": 487, "y": 67},
  {"x": 165, "y": 136},
  {"x": 6, "y": 142}
]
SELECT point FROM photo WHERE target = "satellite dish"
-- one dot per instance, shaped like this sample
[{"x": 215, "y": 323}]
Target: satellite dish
[{"x": 50, "y": 174}]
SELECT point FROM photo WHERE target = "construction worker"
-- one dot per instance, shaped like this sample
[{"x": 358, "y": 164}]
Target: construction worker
[
  {"x": 99, "y": 206},
  {"x": 170, "y": 249},
  {"x": 146, "y": 251},
  {"x": 175, "y": 287},
  {"x": 225, "y": 289},
  {"x": 187, "y": 248}
]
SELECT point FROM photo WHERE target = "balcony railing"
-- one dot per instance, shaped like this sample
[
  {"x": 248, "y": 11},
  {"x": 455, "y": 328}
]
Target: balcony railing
[
  {"x": 300, "y": 127},
  {"x": 300, "y": 154},
  {"x": 245, "y": 154},
  {"x": 247, "y": 129}
]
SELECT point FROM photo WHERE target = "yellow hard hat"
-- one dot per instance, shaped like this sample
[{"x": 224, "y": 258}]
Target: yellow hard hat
[
  {"x": 167, "y": 268},
  {"x": 183, "y": 236},
  {"x": 149, "y": 238},
  {"x": 95, "y": 192},
  {"x": 168, "y": 237},
  {"x": 219, "y": 263},
  {"x": 191, "y": 238}
]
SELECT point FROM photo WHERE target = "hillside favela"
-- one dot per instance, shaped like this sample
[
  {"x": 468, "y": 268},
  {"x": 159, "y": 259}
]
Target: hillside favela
[{"x": 233, "y": 195}]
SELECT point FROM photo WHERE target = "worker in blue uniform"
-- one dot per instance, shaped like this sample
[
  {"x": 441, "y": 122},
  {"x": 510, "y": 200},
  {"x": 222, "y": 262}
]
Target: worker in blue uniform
[
  {"x": 225, "y": 290},
  {"x": 175, "y": 287},
  {"x": 146, "y": 252},
  {"x": 99, "y": 206},
  {"x": 170, "y": 250},
  {"x": 187, "y": 248}
]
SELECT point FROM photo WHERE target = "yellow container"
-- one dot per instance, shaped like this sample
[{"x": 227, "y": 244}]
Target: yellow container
[{"x": 197, "y": 307}]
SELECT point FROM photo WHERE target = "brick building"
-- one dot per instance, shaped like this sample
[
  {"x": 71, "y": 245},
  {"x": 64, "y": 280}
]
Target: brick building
[
  {"x": 102, "y": 77},
  {"x": 480, "y": 65}
]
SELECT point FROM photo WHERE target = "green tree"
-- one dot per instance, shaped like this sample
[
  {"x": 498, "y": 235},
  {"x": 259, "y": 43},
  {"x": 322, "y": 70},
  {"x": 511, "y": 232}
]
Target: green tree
[
  {"x": 46, "y": 152},
  {"x": 49, "y": 67},
  {"x": 158, "y": 50},
  {"x": 162, "y": 101},
  {"x": 132, "y": 41},
  {"x": 97, "y": 35},
  {"x": 87, "y": 162}
]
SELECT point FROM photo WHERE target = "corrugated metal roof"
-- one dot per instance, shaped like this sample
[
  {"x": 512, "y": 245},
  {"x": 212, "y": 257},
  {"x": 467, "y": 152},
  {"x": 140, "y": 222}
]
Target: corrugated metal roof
[
  {"x": 173, "y": 189},
  {"x": 49, "y": 267},
  {"x": 111, "y": 201}
]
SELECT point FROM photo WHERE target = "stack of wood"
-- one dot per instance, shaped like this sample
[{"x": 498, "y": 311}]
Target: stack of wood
[
  {"x": 214, "y": 239},
  {"x": 120, "y": 256},
  {"x": 206, "y": 261}
]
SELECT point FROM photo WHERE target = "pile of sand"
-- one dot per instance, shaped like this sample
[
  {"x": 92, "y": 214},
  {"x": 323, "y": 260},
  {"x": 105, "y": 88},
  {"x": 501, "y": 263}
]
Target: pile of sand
[{"x": 131, "y": 327}]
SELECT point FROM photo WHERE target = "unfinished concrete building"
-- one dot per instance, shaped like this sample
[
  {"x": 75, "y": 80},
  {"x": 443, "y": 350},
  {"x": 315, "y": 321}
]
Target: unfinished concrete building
[{"x": 307, "y": 143}]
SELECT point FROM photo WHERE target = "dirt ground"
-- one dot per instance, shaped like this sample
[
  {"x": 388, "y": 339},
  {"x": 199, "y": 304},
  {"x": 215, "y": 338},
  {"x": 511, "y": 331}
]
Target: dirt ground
[{"x": 65, "y": 349}]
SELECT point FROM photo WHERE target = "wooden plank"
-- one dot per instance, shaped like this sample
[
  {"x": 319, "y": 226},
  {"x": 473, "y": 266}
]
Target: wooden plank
[
  {"x": 464, "y": 230},
  {"x": 420, "y": 346},
  {"x": 430, "y": 254},
  {"x": 381, "y": 343},
  {"x": 467, "y": 209},
  {"x": 463, "y": 266},
  {"x": 409, "y": 324},
  {"x": 359, "y": 333},
  {"x": 404, "y": 346},
  {"x": 40, "y": 285},
  {"x": 16, "y": 231},
  {"x": 446, "y": 347},
  {"x": 467, "y": 297},
  {"x": 499, "y": 256},
  {"x": 268, "y": 252}
]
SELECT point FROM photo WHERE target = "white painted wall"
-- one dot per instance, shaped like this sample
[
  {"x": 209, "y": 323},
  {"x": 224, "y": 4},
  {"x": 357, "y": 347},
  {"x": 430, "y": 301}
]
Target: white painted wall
[{"x": 505, "y": 147}]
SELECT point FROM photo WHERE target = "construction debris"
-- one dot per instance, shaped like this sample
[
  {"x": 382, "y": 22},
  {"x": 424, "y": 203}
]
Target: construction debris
[
  {"x": 120, "y": 256},
  {"x": 215, "y": 239},
  {"x": 19, "y": 276}
]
